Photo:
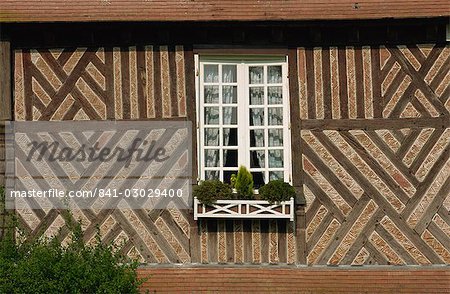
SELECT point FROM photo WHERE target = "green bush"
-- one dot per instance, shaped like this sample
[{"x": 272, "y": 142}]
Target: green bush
[
  {"x": 207, "y": 192},
  {"x": 244, "y": 184},
  {"x": 46, "y": 266},
  {"x": 276, "y": 191}
]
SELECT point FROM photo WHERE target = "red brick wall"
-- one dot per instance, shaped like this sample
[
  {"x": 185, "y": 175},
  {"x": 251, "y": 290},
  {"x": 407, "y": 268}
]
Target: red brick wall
[{"x": 295, "y": 280}]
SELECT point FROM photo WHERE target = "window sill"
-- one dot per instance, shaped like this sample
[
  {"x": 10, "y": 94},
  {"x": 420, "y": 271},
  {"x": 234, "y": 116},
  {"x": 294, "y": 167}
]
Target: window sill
[{"x": 245, "y": 209}]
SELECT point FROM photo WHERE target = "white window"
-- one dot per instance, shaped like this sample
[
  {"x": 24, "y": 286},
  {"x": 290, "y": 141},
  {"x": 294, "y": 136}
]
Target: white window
[{"x": 243, "y": 111}]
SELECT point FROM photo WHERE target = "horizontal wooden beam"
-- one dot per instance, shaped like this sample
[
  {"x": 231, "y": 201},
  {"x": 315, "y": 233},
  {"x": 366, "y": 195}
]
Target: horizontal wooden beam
[
  {"x": 441, "y": 122},
  {"x": 207, "y": 10}
]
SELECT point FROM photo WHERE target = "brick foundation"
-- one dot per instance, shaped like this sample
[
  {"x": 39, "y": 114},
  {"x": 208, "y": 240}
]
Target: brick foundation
[{"x": 296, "y": 280}]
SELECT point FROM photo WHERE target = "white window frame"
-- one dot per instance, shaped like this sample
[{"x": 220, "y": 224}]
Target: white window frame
[{"x": 243, "y": 116}]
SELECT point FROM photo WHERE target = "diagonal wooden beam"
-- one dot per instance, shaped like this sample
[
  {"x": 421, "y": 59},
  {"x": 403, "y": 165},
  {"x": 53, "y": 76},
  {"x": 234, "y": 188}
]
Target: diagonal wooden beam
[
  {"x": 417, "y": 53},
  {"x": 393, "y": 158},
  {"x": 392, "y": 88},
  {"x": 135, "y": 237},
  {"x": 418, "y": 81},
  {"x": 425, "y": 184},
  {"x": 318, "y": 233},
  {"x": 312, "y": 210},
  {"x": 378, "y": 257},
  {"x": 64, "y": 78},
  {"x": 426, "y": 149},
  {"x": 387, "y": 68},
  {"x": 68, "y": 86},
  {"x": 363, "y": 238},
  {"x": 406, "y": 144},
  {"x": 176, "y": 230},
  {"x": 156, "y": 234},
  {"x": 380, "y": 200},
  {"x": 440, "y": 235},
  {"x": 375, "y": 166},
  {"x": 392, "y": 242},
  {"x": 443, "y": 213},
  {"x": 344, "y": 229},
  {"x": 328, "y": 174},
  {"x": 323, "y": 198}
]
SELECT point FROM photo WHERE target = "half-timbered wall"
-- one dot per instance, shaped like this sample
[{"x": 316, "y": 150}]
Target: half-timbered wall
[
  {"x": 109, "y": 84},
  {"x": 374, "y": 147},
  {"x": 100, "y": 83},
  {"x": 375, "y": 142}
]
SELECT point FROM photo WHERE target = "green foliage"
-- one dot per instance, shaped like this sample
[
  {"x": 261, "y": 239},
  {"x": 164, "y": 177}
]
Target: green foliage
[
  {"x": 244, "y": 184},
  {"x": 45, "y": 266},
  {"x": 276, "y": 191},
  {"x": 207, "y": 192}
]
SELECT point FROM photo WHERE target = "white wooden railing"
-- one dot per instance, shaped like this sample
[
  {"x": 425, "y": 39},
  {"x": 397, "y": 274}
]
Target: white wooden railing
[{"x": 244, "y": 209}]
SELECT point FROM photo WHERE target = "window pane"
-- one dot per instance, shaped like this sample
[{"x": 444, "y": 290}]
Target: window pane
[
  {"x": 274, "y": 73},
  {"x": 211, "y": 115},
  {"x": 256, "y": 95},
  {"x": 275, "y": 137},
  {"x": 211, "y": 73},
  {"x": 211, "y": 94},
  {"x": 276, "y": 175},
  {"x": 230, "y": 158},
  {"x": 276, "y": 158},
  {"x": 275, "y": 95},
  {"x": 229, "y": 94},
  {"x": 275, "y": 116},
  {"x": 229, "y": 73},
  {"x": 212, "y": 158},
  {"x": 212, "y": 175},
  {"x": 230, "y": 137},
  {"x": 257, "y": 138},
  {"x": 256, "y": 74},
  {"x": 257, "y": 159},
  {"x": 211, "y": 137},
  {"x": 230, "y": 115},
  {"x": 257, "y": 116},
  {"x": 227, "y": 175},
  {"x": 258, "y": 179}
]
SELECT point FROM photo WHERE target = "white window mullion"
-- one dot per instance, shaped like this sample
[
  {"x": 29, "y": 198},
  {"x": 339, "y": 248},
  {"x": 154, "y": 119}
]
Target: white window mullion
[
  {"x": 243, "y": 120},
  {"x": 200, "y": 120},
  {"x": 286, "y": 125},
  {"x": 266, "y": 124},
  {"x": 221, "y": 143}
]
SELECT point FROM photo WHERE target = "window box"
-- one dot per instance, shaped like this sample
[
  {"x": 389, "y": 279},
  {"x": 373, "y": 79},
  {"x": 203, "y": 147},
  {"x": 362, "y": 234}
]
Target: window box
[{"x": 249, "y": 209}]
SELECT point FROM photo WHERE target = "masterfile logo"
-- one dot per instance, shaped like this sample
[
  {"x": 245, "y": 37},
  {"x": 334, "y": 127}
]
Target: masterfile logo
[{"x": 98, "y": 165}]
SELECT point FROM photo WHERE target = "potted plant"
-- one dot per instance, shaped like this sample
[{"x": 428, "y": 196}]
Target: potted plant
[
  {"x": 243, "y": 184},
  {"x": 214, "y": 199},
  {"x": 277, "y": 191},
  {"x": 208, "y": 192}
]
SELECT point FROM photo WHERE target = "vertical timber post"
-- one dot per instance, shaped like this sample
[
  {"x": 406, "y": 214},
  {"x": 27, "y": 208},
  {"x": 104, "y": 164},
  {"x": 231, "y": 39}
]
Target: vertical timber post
[
  {"x": 5, "y": 115},
  {"x": 194, "y": 237},
  {"x": 300, "y": 233},
  {"x": 297, "y": 179}
]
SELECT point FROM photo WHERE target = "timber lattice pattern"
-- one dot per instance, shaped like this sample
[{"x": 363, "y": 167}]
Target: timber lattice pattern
[
  {"x": 108, "y": 83},
  {"x": 375, "y": 144},
  {"x": 100, "y": 83}
]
